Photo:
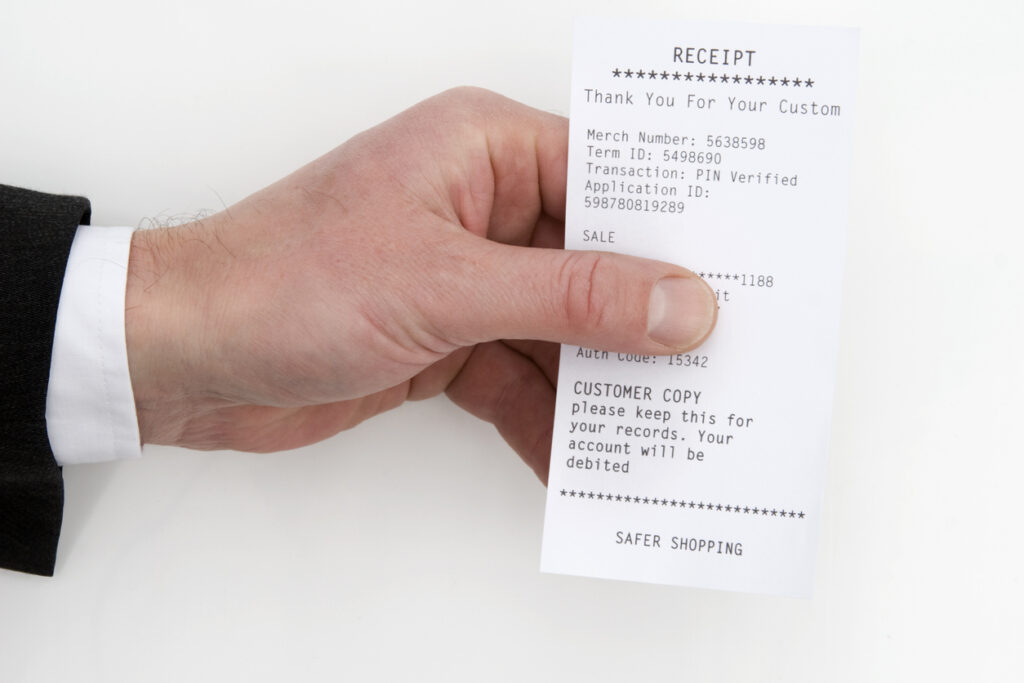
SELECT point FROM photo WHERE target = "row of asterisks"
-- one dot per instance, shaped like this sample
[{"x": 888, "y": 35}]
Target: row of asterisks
[
  {"x": 719, "y": 276},
  {"x": 712, "y": 78},
  {"x": 670, "y": 502}
]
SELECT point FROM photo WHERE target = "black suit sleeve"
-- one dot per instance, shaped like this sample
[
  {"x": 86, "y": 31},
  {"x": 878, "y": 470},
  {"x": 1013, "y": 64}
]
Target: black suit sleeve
[{"x": 36, "y": 231}]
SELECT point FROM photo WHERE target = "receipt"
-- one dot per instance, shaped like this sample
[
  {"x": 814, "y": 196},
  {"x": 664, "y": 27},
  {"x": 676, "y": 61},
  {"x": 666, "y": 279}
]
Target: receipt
[{"x": 724, "y": 148}]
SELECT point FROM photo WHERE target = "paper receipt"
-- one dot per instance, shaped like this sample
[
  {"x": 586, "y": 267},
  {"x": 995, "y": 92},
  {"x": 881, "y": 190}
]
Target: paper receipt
[{"x": 724, "y": 148}]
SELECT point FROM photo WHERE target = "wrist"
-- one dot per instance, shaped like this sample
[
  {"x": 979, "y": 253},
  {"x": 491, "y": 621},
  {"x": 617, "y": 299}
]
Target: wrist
[{"x": 158, "y": 308}]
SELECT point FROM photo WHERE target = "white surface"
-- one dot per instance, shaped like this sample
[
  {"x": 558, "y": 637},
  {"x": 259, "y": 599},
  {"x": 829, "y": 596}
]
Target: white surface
[
  {"x": 90, "y": 407},
  {"x": 408, "y": 548}
]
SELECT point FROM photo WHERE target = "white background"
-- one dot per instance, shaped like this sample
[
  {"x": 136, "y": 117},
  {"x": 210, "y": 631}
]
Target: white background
[{"x": 407, "y": 549}]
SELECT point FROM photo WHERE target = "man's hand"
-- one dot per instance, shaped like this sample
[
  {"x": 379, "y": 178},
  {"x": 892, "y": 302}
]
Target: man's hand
[{"x": 421, "y": 256}]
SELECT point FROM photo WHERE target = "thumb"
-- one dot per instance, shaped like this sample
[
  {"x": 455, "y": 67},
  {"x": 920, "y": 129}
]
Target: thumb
[{"x": 597, "y": 299}]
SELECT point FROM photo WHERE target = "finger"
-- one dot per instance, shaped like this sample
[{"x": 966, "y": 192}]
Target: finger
[
  {"x": 549, "y": 233},
  {"x": 528, "y": 162},
  {"x": 436, "y": 377},
  {"x": 507, "y": 161},
  {"x": 543, "y": 354},
  {"x": 504, "y": 388},
  {"x": 597, "y": 299}
]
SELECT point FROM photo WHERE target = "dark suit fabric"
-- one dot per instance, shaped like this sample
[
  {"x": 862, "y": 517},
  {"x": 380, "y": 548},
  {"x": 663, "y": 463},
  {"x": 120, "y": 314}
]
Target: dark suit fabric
[{"x": 36, "y": 231}]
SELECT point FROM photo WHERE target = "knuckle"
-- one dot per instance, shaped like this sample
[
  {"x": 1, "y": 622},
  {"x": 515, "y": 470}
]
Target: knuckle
[
  {"x": 465, "y": 98},
  {"x": 467, "y": 92}
]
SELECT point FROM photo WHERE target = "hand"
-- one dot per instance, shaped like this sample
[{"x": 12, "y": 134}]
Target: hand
[{"x": 385, "y": 271}]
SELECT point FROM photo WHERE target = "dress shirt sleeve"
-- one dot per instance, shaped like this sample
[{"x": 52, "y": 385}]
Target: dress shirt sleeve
[{"x": 90, "y": 408}]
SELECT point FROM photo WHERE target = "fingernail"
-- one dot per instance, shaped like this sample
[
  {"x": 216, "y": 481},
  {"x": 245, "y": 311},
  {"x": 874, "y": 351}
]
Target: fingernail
[{"x": 681, "y": 311}]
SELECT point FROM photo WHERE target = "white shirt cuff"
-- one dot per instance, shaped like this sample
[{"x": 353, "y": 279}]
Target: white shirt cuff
[{"x": 90, "y": 408}]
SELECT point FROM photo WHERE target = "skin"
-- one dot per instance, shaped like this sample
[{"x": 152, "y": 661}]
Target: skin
[{"x": 422, "y": 256}]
